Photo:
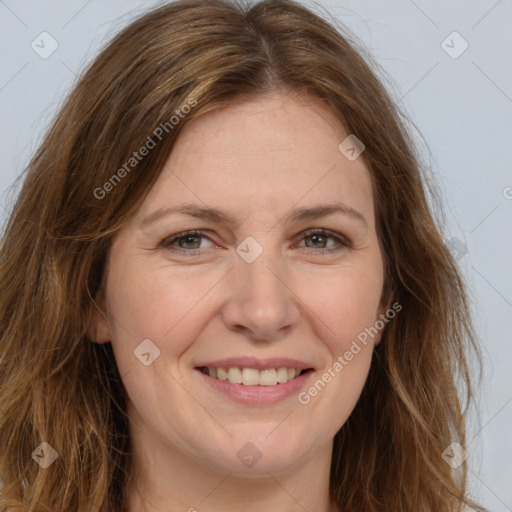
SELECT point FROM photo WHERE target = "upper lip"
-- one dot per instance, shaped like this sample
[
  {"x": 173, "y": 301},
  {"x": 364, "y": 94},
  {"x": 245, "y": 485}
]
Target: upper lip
[{"x": 253, "y": 362}]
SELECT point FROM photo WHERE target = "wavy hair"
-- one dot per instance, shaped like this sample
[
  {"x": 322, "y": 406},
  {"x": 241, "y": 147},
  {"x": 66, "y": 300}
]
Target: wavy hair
[{"x": 56, "y": 385}]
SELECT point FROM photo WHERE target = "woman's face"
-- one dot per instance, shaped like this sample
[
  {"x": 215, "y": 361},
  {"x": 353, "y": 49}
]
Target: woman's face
[{"x": 252, "y": 292}]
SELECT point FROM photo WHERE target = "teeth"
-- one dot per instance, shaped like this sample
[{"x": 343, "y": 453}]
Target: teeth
[
  {"x": 250, "y": 377},
  {"x": 268, "y": 377},
  {"x": 254, "y": 377},
  {"x": 235, "y": 375},
  {"x": 282, "y": 375}
]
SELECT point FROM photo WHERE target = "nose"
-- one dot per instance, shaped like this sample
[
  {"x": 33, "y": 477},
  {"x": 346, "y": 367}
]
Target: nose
[{"x": 261, "y": 303}]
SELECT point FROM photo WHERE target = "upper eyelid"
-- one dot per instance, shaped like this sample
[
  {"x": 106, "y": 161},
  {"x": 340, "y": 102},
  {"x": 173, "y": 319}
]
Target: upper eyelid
[
  {"x": 173, "y": 238},
  {"x": 327, "y": 232}
]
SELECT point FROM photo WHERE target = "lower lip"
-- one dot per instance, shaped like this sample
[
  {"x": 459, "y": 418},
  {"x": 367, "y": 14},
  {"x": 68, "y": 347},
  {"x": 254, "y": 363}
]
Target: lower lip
[{"x": 256, "y": 395}]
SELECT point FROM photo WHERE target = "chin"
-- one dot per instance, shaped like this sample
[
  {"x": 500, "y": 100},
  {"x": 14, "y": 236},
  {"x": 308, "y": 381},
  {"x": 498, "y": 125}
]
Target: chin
[{"x": 255, "y": 454}]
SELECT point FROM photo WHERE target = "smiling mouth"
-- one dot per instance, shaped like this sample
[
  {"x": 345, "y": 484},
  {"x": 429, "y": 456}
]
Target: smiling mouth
[{"x": 253, "y": 376}]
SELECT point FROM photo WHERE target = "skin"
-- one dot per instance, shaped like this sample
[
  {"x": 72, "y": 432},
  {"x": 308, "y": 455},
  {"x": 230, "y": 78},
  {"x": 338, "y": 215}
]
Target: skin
[{"x": 256, "y": 160}]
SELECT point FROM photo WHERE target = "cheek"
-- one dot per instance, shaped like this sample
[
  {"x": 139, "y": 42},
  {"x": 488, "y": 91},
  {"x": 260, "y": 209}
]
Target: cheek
[
  {"x": 350, "y": 307},
  {"x": 161, "y": 304},
  {"x": 348, "y": 302}
]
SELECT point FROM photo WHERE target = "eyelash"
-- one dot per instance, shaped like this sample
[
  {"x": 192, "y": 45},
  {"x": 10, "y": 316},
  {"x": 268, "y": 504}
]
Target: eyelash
[{"x": 342, "y": 243}]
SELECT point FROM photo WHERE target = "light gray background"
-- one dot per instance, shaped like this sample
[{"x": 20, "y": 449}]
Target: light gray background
[{"x": 461, "y": 107}]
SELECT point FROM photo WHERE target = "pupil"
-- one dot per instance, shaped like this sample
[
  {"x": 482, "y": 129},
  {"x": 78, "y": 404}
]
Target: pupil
[
  {"x": 317, "y": 238},
  {"x": 189, "y": 239}
]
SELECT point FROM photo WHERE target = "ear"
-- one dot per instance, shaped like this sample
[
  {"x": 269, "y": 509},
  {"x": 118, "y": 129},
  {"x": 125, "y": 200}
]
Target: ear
[
  {"x": 383, "y": 316},
  {"x": 98, "y": 330}
]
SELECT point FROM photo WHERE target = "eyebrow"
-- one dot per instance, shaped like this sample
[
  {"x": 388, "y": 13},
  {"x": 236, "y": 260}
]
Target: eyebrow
[{"x": 220, "y": 217}]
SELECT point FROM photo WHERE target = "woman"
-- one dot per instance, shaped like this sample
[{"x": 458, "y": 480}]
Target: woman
[{"x": 223, "y": 286}]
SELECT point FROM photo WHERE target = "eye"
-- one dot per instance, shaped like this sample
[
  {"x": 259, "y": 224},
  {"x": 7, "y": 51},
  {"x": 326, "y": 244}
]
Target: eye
[
  {"x": 188, "y": 241},
  {"x": 322, "y": 241},
  {"x": 319, "y": 241}
]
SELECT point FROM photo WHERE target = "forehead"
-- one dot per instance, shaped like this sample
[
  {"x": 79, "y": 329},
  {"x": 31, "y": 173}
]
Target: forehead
[{"x": 269, "y": 154}]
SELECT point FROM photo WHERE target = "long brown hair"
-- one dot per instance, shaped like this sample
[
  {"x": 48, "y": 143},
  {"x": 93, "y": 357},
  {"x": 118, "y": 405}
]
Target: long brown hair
[{"x": 57, "y": 386}]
